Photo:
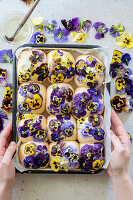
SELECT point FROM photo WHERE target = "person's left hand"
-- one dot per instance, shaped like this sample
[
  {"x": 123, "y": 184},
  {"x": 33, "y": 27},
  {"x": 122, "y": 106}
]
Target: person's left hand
[{"x": 7, "y": 169}]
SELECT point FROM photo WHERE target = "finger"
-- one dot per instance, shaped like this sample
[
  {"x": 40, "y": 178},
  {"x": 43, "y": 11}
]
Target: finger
[
  {"x": 2, "y": 141},
  {"x": 116, "y": 142},
  {"x": 9, "y": 153},
  {"x": 1, "y": 157},
  {"x": 2, "y": 151},
  {"x": 8, "y": 130},
  {"x": 117, "y": 124}
]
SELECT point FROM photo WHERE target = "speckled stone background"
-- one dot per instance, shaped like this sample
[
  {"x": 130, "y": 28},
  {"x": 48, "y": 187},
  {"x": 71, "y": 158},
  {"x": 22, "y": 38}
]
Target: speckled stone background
[{"x": 71, "y": 187}]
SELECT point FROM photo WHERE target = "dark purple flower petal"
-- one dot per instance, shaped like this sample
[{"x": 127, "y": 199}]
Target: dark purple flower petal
[{"x": 71, "y": 25}]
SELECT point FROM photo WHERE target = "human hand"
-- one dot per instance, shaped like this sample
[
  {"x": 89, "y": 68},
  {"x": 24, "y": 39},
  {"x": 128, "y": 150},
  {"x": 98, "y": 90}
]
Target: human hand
[
  {"x": 7, "y": 169},
  {"x": 119, "y": 163}
]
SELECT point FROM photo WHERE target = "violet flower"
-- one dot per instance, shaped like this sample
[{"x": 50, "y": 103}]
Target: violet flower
[
  {"x": 60, "y": 35},
  {"x": 85, "y": 25},
  {"x": 3, "y": 116},
  {"x": 71, "y": 25},
  {"x": 116, "y": 69},
  {"x": 50, "y": 27},
  {"x": 116, "y": 30},
  {"x": 6, "y": 56},
  {"x": 38, "y": 38},
  {"x": 126, "y": 58},
  {"x": 100, "y": 29}
]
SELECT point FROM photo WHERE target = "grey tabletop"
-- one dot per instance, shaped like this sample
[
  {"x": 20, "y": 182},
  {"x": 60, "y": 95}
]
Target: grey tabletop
[{"x": 80, "y": 187}]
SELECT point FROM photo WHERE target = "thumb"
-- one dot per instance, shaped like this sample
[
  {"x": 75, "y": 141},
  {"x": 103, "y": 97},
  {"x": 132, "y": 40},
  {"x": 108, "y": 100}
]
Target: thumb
[{"x": 9, "y": 153}]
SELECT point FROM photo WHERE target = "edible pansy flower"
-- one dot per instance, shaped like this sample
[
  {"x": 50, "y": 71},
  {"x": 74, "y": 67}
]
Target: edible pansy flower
[
  {"x": 81, "y": 99},
  {"x": 118, "y": 103},
  {"x": 97, "y": 164},
  {"x": 30, "y": 149},
  {"x": 3, "y": 115},
  {"x": 28, "y": 2},
  {"x": 78, "y": 111},
  {"x": 98, "y": 134},
  {"x": 74, "y": 160},
  {"x": 33, "y": 88},
  {"x": 57, "y": 149},
  {"x": 61, "y": 35},
  {"x": 116, "y": 56},
  {"x": 34, "y": 103},
  {"x": 95, "y": 120},
  {"x": 71, "y": 25},
  {"x": 3, "y": 76},
  {"x": 116, "y": 30},
  {"x": 41, "y": 135},
  {"x": 95, "y": 106},
  {"x": 127, "y": 73},
  {"x": 38, "y": 23},
  {"x": 116, "y": 69},
  {"x": 85, "y": 25},
  {"x": 100, "y": 68},
  {"x": 59, "y": 78},
  {"x": 130, "y": 137},
  {"x": 38, "y": 38},
  {"x": 24, "y": 107},
  {"x": 59, "y": 163},
  {"x": 50, "y": 27},
  {"x": 125, "y": 40},
  {"x": 68, "y": 129},
  {"x": 55, "y": 126},
  {"x": 126, "y": 59},
  {"x": 129, "y": 87},
  {"x": 100, "y": 29},
  {"x": 65, "y": 108},
  {"x": 78, "y": 36},
  {"x": 6, "y": 56},
  {"x": 24, "y": 77},
  {"x": 120, "y": 85}
]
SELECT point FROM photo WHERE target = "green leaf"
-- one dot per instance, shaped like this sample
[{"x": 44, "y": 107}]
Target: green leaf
[{"x": 7, "y": 58}]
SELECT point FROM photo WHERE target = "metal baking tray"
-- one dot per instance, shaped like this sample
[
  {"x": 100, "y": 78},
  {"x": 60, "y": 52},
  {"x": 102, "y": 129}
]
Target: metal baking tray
[{"x": 14, "y": 113}]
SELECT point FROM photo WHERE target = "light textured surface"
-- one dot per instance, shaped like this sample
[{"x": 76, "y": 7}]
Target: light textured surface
[{"x": 67, "y": 187}]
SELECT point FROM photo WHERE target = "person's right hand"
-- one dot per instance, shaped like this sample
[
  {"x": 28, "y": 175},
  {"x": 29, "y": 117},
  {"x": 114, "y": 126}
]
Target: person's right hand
[
  {"x": 119, "y": 163},
  {"x": 7, "y": 169}
]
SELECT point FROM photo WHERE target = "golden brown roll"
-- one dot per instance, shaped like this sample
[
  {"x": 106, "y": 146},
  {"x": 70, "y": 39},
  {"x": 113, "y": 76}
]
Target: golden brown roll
[
  {"x": 32, "y": 127},
  {"x": 32, "y": 66},
  {"x": 34, "y": 155},
  {"x": 61, "y": 128},
  {"x": 31, "y": 98},
  {"x": 61, "y": 65},
  {"x": 59, "y": 99},
  {"x": 90, "y": 71}
]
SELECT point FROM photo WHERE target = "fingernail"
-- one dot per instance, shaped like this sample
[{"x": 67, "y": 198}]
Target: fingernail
[{"x": 13, "y": 144}]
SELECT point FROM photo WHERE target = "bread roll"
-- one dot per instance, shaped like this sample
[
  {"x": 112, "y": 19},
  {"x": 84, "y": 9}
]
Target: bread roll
[
  {"x": 61, "y": 128},
  {"x": 31, "y": 98},
  {"x": 90, "y": 71},
  {"x": 87, "y": 102},
  {"x": 32, "y": 66},
  {"x": 32, "y": 127},
  {"x": 59, "y": 99},
  {"x": 34, "y": 155},
  {"x": 61, "y": 65}
]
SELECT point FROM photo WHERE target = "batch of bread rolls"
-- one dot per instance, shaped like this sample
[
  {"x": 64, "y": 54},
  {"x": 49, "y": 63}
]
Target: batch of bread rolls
[{"x": 72, "y": 136}]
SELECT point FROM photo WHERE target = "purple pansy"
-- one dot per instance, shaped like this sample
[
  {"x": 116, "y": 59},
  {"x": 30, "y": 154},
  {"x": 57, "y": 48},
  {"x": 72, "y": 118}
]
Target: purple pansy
[
  {"x": 6, "y": 56},
  {"x": 116, "y": 31},
  {"x": 85, "y": 25},
  {"x": 98, "y": 134},
  {"x": 126, "y": 58},
  {"x": 95, "y": 93},
  {"x": 3, "y": 116},
  {"x": 33, "y": 88},
  {"x": 63, "y": 117},
  {"x": 3, "y": 76},
  {"x": 65, "y": 108},
  {"x": 81, "y": 99},
  {"x": 61, "y": 35},
  {"x": 50, "y": 27},
  {"x": 71, "y": 25},
  {"x": 37, "y": 38},
  {"x": 95, "y": 106},
  {"x": 100, "y": 29},
  {"x": 116, "y": 69},
  {"x": 68, "y": 129},
  {"x": 70, "y": 72},
  {"x": 129, "y": 87},
  {"x": 78, "y": 112}
]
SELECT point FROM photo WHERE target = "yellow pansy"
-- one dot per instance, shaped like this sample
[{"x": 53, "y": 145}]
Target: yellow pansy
[
  {"x": 8, "y": 92},
  {"x": 99, "y": 67},
  {"x": 29, "y": 149},
  {"x": 78, "y": 36},
  {"x": 81, "y": 120},
  {"x": 120, "y": 84},
  {"x": 34, "y": 103},
  {"x": 38, "y": 23},
  {"x": 116, "y": 56},
  {"x": 59, "y": 164},
  {"x": 57, "y": 79},
  {"x": 97, "y": 164},
  {"x": 125, "y": 40},
  {"x": 24, "y": 77},
  {"x": 90, "y": 59},
  {"x": 90, "y": 76}
]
